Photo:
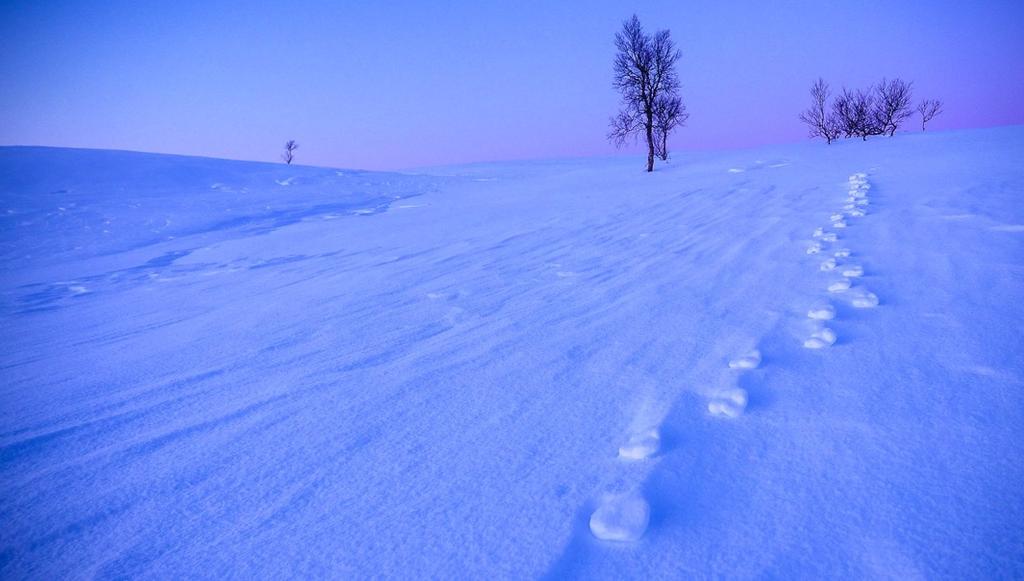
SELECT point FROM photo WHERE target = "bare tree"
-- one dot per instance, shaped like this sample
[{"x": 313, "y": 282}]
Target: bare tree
[
  {"x": 929, "y": 109},
  {"x": 842, "y": 112},
  {"x": 855, "y": 114},
  {"x": 864, "y": 113},
  {"x": 892, "y": 105},
  {"x": 289, "y": 151},
  {"x": 819, "y": 120},
  {"x": 669, "y": 113},
  {"x": 644, "y": 71}
]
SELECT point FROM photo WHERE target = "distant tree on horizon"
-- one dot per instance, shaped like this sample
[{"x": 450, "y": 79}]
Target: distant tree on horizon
[
  {"x": 289, "y": 151},
  {"x": 669, "y": 113},
  {"x": 819, "y": 120},
  {"x": 644, "y": 72},
  {"x": 892, "y": 105},
  {"x": 929, "y": 109}
]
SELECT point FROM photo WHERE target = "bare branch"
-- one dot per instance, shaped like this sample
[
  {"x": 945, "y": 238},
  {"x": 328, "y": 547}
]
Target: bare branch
[
  {"x": 892, "y": 105},
  {"x": 854, "y": 112},
  {"x": 820, "y": 122},
  {"x": 669, "y": 113},
  {"x": 929, "y": 109}
]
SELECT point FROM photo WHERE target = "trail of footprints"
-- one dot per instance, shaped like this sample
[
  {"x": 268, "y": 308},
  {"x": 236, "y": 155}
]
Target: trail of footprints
[
  {"x": 820, "y": 335},
  {"x": 625, "y": 516}
]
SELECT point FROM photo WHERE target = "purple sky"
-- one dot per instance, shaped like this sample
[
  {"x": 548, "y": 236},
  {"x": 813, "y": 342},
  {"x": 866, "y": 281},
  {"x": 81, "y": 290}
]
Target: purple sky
[{"x": 384, "y": 85}]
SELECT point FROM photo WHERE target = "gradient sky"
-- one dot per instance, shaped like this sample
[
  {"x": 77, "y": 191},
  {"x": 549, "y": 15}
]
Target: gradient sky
[{"x": 385, "y": 85}]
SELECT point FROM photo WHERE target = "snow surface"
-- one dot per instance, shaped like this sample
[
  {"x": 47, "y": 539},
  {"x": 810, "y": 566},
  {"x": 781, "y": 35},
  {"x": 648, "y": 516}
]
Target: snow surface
[{"x": 224, "y": 369}]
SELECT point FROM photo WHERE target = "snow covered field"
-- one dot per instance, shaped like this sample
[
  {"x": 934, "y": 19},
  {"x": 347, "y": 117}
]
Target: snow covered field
[{"x": 793, "y": 362}]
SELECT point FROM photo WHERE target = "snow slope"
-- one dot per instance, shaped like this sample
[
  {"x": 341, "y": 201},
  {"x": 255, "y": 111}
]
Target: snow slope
[{"x": 224, "y": 369}]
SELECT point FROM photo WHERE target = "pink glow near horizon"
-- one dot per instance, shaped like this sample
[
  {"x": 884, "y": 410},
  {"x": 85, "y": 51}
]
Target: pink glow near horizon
[{"x": 412, "y": 84}]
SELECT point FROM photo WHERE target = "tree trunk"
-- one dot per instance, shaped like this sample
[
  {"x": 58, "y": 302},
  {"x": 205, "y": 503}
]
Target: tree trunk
[
  {"x": 664, "y": 146},
  {"x": 650, "y": 144}
]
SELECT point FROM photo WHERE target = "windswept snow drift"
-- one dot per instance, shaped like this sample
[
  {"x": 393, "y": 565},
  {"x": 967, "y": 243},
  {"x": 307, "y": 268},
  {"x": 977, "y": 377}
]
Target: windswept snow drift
[{"x": 571, "y": 369}]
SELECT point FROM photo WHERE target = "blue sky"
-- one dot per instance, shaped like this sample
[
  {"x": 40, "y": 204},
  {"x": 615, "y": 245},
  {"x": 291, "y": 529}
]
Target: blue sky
[{"x": 385, "y": 85}]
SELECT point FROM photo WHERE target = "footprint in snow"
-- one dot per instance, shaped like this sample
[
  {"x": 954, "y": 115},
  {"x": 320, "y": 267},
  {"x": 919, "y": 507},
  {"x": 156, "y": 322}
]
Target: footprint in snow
[
  {"x": 856, "y": 213},
  {"x": 839, "y": 224},
  {"x": 622, "y": 518},
  {"x": 842, "y": 253},
  {"x": 728, "y": 403},
  {"x": 865, "y": 300},
  {"x": 839, "y": 286},
  {"x": 818, "y": 232},
  {"x": 641, "y": 446},
  {"x": 749, "y": 361},
  {"x": 822, "y": 313},
  {"x": 830, "y": 237},
  {"x": 836, "y": 217},
  {"x": 828, "y": 265},
  {"x": 823, "y": 337},
  {"x": 814, "y": 248},
  {"x": 853, "y": 271}
]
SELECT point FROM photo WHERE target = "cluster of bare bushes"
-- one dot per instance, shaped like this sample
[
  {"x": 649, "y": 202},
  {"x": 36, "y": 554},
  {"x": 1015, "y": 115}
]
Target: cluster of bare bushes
[{"x": 879, "y": 110}]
